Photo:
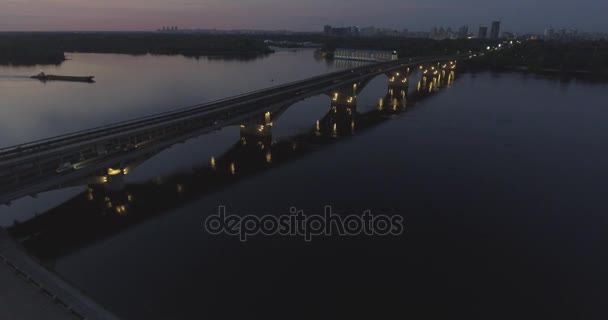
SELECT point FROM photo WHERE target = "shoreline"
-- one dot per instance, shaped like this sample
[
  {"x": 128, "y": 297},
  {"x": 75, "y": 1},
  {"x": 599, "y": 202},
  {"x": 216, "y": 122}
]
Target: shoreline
[{"x": 212, "y": 55}]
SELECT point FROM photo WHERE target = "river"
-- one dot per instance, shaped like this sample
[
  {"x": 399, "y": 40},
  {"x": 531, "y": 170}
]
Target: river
[{"x": 500, "y": 179}]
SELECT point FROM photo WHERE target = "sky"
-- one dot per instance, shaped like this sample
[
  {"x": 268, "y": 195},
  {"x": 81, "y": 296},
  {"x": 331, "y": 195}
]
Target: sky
[{"x": 300, "y": 15}]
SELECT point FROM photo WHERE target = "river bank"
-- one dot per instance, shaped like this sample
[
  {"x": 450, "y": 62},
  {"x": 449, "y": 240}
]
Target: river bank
[
  {"x": 23, "y": 49},
  {"x": 579, "y": 58}
]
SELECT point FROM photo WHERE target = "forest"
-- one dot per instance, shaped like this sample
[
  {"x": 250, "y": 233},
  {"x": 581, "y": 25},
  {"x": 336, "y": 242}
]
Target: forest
[
  {"x": 49, "y": 48},
  {"x": 584, "y": 57}
]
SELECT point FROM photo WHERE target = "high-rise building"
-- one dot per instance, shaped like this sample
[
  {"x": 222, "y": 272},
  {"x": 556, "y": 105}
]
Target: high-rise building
[
  {"x": 463, "y": 32},
  {"x": 483, "y": 33},
  {"x": 368, "y": 31},
  {"x": 343, "y": 31},
  {"x": 508, "y": 35},
  {"x": 495, "y": 31}
]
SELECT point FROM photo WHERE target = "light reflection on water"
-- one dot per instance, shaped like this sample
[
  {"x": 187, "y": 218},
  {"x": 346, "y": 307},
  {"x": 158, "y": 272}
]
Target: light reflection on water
[{"x": 500, "y": 179}]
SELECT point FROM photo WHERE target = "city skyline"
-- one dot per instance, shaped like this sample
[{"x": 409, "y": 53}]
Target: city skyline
[{"x": 129, "y": 15}]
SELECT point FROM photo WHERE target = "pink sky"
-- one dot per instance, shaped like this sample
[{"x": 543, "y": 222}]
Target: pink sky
[{"x": 48, "y": 15}]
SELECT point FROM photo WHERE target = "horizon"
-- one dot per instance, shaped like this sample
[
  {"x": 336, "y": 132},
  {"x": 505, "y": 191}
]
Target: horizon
[
  {"x": 517, "y": 16},
  {"x": 472, "y": 30}
]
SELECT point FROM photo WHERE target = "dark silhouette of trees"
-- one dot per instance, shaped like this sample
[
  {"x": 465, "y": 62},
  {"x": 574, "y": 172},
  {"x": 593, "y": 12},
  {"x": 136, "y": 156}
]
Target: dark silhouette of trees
[
  {"x": 49, "y": 48},
  {"x": 549, "y": 56},
  {"x": 555, "y": 56}
]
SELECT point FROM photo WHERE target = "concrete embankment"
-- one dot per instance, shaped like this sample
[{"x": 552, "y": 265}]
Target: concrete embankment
[{"x": 30, "y": 291}]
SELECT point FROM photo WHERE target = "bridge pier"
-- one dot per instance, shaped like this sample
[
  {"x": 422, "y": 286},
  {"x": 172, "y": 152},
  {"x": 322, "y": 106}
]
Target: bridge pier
[
  {"x": 115, "y": 180},
  {"x": 257, "y": 130},
  {"x": 399, "y": 79},
  {"x": 345, "y": 96},
  {"x": 450, "y": 78},
  {"x": 259, "y": 126},
  {"x": 435, "y": 76},
  {"x": 395, "y": 100},
  {"x": 111, "y": 200},
  {"x": 340, "y": 120},
  {"x": 430, "y": 78},
  {"x": 448, "y": 72}
]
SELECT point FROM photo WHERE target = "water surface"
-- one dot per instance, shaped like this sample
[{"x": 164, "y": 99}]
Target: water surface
[{"x": 500, "y": 179}]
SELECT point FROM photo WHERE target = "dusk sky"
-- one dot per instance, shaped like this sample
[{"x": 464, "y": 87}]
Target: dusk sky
[{"x": 309, "y": 15}]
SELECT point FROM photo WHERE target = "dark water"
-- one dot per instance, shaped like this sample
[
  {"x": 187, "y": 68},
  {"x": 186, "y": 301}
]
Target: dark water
[
  {"x": 501, "y": 180},
  {"x": 133, "y": 86}
]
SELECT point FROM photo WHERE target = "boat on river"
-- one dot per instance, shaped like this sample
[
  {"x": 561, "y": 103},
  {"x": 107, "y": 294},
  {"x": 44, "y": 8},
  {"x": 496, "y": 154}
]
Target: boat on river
[{"x": 50, "y": 77}]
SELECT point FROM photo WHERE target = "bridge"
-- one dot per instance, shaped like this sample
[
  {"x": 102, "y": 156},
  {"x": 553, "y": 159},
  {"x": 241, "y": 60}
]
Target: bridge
[
  {"x": 107, "y": 208},
  {"x": 30, "y": 168},
  {"x": 110, "y": 205}
]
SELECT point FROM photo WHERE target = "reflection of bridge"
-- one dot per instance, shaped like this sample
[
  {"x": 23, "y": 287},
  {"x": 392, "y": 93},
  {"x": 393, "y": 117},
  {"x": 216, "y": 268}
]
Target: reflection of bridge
[
  {"x": 109, "y": 205},
  {"x": 99, "y": 155}
]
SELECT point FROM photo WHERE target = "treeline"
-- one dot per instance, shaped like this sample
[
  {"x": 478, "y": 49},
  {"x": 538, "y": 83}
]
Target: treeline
[
  {"x": 48, "y": 48},
  {"x": 405, "y": 47},
  {"x": 548, "y": 56},
  {"x": 19, "y": 51}
]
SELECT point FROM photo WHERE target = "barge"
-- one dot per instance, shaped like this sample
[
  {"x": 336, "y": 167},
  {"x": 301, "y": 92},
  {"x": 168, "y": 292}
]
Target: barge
[{"x": 49, "y": 77}]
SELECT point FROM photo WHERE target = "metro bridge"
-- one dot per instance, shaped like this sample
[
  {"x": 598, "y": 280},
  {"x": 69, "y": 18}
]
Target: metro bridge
[
  {"x": 30, "y": 168},
  {"x": 107, "y": 208}
]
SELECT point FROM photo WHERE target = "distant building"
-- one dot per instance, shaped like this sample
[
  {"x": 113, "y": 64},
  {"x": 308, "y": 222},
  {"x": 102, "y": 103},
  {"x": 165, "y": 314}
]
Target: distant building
[
  {"x": 368, "y": 31},
  {"x": 168, "y": 29},
  {"x": 372, "y": 31},
  {"x": 449, "y": 34},
  {"x": 387, "y": 32},
  {"x": 344, "y": 31},
  {"x": 495, "y": 31},
  {"x": 572, "y": 34},
  {"x": 365, "y": 55},
  {"x": 483, "y": 33},
  {"x": 508, "y": 35},
  {"x": 440, "y": 33},
  {"x": 463, "y": 32},
  {"x": 418, "y": 34},
  {"x": 561, "y": 34}
]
